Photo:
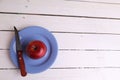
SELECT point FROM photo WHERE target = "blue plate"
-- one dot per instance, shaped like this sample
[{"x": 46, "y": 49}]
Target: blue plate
[{"x": 35, "y": 33}]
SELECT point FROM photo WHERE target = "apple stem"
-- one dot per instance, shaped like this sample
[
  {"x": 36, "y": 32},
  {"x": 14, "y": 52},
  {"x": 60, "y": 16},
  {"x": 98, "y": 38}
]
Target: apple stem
[{"x": 34, "y": 47}]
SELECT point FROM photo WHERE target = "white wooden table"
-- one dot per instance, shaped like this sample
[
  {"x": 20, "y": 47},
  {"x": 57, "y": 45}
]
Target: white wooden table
[{"x": 87, "y": 32}]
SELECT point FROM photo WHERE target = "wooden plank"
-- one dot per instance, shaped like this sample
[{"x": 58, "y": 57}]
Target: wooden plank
[
  {"x": 60, "y": 24},
  {"x": 53, "y": 74},
  {"x": 60, "y": 7},
  {"x": 65, "y": 74},
  {"x": 114, "y": 2},
  {"x": 75, "y": 60},
  {"x": 73, "y": 41}
]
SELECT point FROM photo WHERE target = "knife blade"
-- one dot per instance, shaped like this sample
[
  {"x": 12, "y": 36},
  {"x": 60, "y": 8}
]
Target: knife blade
[{"x": 19, "y": 53}]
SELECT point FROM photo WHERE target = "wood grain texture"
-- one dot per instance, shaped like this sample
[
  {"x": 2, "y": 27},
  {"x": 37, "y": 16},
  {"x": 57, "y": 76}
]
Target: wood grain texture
[
  {"x": 60, "y": 7},
  {"x": 87, "y": 32},
  {"x": 113, "y": 2},
  {"x": 58, "y": 74},
  {"x": 74, "y": 41},
  {"x": 60, "y": 24},
  {"x": 74, "y": 60}
]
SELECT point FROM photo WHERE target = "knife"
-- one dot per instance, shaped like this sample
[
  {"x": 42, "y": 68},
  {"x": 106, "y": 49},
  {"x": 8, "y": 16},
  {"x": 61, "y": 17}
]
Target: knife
[{"x": 20, "y": 53}]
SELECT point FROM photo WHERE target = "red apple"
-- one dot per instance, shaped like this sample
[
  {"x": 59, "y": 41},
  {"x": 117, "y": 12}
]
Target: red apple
[{"x": 36, "y": 49}]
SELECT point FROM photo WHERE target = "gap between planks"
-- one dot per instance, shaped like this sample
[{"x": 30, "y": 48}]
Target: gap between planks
[
  {"x": 66, "y": 68},
  {"x": 78, "y": 49},
  {"x": 66, "y": 32},
  {"x": 74, "y": 16}
]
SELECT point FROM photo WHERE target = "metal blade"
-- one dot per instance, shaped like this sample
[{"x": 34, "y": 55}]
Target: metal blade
[{"x": 17, "y": 38}]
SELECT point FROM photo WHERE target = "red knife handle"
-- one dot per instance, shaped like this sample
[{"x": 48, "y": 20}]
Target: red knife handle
[{"x": 21, "y": 64}]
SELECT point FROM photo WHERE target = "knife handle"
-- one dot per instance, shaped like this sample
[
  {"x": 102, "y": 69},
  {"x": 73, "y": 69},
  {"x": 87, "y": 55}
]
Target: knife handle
[{"x": 21, "y": 64}]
